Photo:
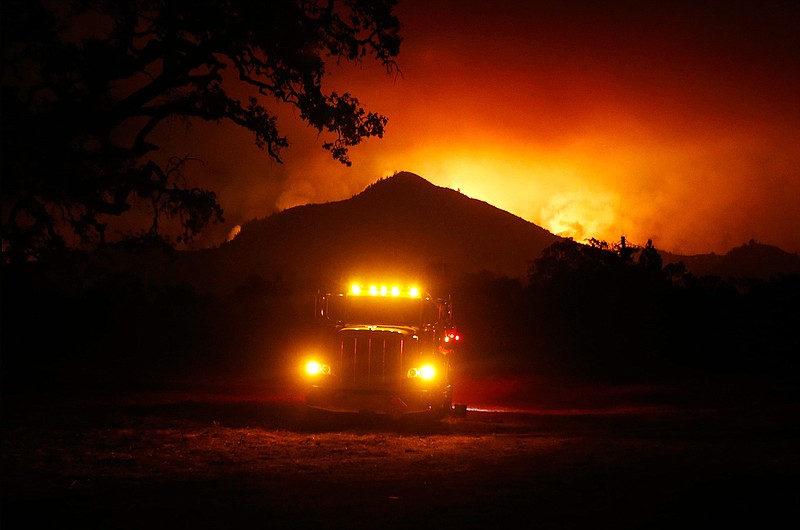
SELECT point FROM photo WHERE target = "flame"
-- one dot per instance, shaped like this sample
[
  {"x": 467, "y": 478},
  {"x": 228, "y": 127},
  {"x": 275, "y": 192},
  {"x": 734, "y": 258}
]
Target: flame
[{"x": 233, "y": 233}]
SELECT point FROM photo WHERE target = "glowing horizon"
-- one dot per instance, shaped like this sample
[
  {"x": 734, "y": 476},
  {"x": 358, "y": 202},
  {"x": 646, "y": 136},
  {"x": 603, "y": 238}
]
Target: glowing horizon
[{"x": 676, "y": 123}]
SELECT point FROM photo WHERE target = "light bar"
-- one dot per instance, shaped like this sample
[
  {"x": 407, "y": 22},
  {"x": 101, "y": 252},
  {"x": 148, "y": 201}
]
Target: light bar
[{"x": 394, "y": 291}]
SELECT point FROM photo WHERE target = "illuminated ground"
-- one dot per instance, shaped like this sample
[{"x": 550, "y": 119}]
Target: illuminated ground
[{"x": 607, "y": 459}]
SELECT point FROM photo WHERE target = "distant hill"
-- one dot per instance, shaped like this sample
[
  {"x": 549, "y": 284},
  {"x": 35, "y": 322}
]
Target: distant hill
[
  {"x": 401, "y": 225},
  {"x": 751, "y": 260}
]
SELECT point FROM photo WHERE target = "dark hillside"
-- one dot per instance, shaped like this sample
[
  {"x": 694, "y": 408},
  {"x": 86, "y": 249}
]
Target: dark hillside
[
  {"x": 401, "y": 225},
  {"x": 751, "y": 260}
]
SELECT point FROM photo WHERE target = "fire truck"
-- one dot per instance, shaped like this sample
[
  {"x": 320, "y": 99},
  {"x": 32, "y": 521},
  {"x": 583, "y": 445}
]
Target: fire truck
[{"x": 386, "y": 349}]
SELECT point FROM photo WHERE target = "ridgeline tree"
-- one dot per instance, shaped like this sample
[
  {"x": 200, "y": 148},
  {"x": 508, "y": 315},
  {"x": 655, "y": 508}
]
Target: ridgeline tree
[{"x": 87, "y": 82}]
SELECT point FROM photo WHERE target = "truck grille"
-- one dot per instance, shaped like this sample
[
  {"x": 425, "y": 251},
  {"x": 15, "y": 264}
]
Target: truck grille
[{"x": 371, "y": 360}]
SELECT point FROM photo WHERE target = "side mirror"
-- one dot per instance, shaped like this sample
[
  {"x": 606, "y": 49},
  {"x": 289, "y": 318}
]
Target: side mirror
[{"x": 321, "y": 306}]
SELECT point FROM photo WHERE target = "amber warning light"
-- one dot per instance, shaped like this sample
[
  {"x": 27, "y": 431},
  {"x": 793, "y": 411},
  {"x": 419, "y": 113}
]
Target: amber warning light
[{"x": 384, "y": 290}]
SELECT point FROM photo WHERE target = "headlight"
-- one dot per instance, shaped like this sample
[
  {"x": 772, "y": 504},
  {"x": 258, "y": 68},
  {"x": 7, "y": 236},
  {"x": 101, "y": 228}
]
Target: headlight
[
  {"x": 315, "y": 368},
  {"x": 423, "y": 372}
]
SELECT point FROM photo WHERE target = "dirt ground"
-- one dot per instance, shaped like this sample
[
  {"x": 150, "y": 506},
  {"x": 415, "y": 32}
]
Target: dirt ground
[{"x": 655, "y": 457}]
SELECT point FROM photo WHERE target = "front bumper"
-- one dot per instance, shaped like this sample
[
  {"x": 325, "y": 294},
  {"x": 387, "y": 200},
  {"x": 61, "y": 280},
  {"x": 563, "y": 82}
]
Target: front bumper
[{"x": 392, "y": 403}]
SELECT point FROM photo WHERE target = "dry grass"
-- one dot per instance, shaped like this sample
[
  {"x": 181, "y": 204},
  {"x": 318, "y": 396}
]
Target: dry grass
[{"x": 227, "y": 463}]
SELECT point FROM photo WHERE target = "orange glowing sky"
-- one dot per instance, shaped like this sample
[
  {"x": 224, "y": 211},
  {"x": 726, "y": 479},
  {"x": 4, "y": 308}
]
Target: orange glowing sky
[{"x": 673, "y": 121}]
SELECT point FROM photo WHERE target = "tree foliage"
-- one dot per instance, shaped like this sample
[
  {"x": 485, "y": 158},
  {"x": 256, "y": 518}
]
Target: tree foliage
[{"x": 87, "y": 82}]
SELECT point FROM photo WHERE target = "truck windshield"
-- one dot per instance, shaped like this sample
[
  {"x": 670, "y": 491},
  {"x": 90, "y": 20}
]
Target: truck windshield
[{"x": 382, "y": 310}]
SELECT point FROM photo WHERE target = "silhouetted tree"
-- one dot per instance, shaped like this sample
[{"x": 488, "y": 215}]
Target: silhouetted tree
[
  {"x": 568, "y": 259},
  {"x": 650, "y": 260},
  {"x": 608, "y": 315},
  {"x": 599, "y": 305},
  {"x": 86, "y": 83},
  {"x": 677, "y": 274}
]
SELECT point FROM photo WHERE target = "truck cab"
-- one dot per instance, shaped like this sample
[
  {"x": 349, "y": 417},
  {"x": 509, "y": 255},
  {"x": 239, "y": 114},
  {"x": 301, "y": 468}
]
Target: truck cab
[{"x": 386, "y": 349}]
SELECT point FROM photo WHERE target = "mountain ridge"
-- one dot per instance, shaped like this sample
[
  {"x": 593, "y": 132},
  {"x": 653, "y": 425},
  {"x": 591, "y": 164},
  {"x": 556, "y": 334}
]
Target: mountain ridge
[
  {"x": 405, "y": 225},
  {"x": 399, "y": 225}
]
